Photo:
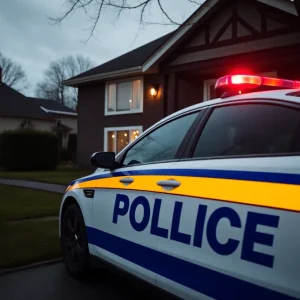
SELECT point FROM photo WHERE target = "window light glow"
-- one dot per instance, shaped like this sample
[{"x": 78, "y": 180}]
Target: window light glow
[{"x": 153, "y": 92}]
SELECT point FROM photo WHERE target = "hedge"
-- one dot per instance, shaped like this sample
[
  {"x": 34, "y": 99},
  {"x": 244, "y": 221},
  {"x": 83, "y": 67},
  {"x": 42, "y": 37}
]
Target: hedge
[
  {"x": 28, "y": 150},
  {"x": 72, "y": 145}
]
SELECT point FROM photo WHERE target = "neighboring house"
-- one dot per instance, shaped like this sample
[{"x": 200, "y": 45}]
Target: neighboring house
[
  {"x": 123, "y": 97},
  {"x": 19, "y": 111}
]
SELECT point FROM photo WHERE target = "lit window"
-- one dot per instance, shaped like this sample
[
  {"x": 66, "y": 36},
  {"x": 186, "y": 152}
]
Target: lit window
[
  {"x": 124, "y": 97},
  {"x": 117, "y": 138}
]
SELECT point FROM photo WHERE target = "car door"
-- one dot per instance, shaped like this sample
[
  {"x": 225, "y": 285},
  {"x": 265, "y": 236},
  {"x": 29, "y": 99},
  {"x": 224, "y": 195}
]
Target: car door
[
  {"x": 124, "y": 210},
  {"x": 233, "y": 220}
]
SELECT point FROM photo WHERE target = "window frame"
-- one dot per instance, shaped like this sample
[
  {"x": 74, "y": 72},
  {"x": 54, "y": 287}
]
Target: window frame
[
  {"x": 132, "y": 111},
  {"x": 206, "y": 88},
  {"x": 182, "y": 147},
  {"x": 107, "y": 129},
  {"x": 187, "y": 156}
]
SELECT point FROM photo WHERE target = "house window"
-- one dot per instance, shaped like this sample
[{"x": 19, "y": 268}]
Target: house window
[
  {"x": 116, "y": 138},
  {"x": 209, "y": 89},
  {"x": 124, "y": 97},
  {"x": 209, "y": 85}
]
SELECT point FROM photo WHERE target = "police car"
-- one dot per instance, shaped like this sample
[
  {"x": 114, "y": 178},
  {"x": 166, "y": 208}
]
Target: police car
[{"x": 204, "y": 204}]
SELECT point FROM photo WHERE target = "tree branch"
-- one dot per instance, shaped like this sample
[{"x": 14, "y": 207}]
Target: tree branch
[
  {"x": 164, "y": 12},
  {"x": 51, "y": 86},
  {"x": 12, "y": 73},
  {"x": 194, "y": 2},
  {"x": 72, "y": 8},
  {"x": 93, "y": 9},
  {"x": 96, "y": 20}
]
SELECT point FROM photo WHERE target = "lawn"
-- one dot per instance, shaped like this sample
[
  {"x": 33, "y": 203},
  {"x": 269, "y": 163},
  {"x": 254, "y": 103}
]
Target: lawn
[
  {"x": 61, "y": 175},
  {"x": 28, "y": 241},
  {"x": 25, "y": 236},
  {"x": 19, "y": 203}
]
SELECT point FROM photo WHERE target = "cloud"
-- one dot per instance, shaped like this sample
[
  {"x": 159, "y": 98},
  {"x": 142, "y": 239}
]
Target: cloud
[{"x": 29, "y": 37}]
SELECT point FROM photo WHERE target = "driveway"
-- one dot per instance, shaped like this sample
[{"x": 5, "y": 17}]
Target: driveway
[
  {"x": 43, "y": 186},
  {"x": 52, "y": 282}
]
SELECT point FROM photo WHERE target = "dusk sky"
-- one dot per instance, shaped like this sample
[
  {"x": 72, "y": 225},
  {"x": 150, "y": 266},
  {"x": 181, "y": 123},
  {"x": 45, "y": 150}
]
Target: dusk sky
[{"x": 31, "y": 39}]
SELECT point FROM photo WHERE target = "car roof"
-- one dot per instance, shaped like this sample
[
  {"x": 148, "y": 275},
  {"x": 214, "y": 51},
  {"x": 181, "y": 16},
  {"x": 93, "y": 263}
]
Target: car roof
[
  {"x": 273, "y": 95},
  {"x": 282, "y": 94}
]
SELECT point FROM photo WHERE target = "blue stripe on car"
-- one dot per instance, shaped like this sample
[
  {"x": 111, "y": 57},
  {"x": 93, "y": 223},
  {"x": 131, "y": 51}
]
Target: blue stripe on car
[
  {"x": 284, "y": 178},
  {"x": 201, "y": 279}
]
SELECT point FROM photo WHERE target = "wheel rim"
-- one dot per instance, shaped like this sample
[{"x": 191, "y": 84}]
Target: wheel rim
[{"x": 72, "y": 239}]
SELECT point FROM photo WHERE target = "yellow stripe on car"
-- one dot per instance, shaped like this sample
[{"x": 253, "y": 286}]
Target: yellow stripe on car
[{"x": 274, "y": 195}]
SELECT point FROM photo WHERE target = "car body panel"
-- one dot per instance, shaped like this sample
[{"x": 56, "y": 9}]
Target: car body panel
[
  {"x": 228, "y": 231},
  {"x": 262, "y": 270}
]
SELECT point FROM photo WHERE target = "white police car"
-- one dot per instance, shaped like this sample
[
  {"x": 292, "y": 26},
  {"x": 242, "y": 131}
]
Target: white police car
[{"x": 205, "y": 204}]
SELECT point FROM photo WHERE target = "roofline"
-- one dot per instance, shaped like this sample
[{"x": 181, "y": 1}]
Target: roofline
[
  {"x": 58, "y": 112},
  {"x": 129, "y": 71},
  {"x": 184, "y": 28},
  {"x": 177, "y": 35},
  {"x": 291, "y": 8},
  {"x": 46, "y": 118},
  {"x": 194, "y": 18}
]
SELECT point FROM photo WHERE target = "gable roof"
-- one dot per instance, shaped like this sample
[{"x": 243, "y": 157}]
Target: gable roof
[
  {"x": 51, "y": 105},
  {"x": 15, "y": 104},
  {"x": 143, "y": 58},
  {"x": 128, "y": 60}
]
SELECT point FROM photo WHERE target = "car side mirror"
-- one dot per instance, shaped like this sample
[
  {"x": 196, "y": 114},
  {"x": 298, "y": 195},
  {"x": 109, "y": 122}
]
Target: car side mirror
[{"x": 104, "y": 160}]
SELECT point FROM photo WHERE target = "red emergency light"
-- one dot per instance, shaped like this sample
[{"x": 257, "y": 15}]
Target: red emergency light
[{"x": 238, "y": 84}]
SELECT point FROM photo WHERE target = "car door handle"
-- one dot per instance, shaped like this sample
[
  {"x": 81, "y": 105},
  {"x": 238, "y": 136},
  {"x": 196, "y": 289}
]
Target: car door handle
[
  {"x": 127, "y": 180},
  {"x": 169, "y": 184}
]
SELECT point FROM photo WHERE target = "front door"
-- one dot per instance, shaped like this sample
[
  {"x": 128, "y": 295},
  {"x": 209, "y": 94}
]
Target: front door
[
  {"x": 122, "y": 217},
  {"x": 125, "y": 213}
]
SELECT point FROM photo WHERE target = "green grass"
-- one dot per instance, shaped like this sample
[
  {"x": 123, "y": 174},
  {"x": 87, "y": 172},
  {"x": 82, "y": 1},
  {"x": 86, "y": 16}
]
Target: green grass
[
  {"x": 27, "y": 242},
  {"x": 19, "y": 203},
  {"x": 60, "y": 176}
]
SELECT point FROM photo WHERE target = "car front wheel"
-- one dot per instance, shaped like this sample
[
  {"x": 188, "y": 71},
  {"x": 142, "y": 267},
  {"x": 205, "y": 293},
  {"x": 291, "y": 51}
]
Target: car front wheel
[{"x": 74, "y": 242}]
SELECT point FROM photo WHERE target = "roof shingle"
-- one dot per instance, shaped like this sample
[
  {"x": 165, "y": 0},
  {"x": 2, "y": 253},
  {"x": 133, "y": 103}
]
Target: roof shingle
[
  {"x": 15, "y": 104},
  {"x": 130, "y": 59}
]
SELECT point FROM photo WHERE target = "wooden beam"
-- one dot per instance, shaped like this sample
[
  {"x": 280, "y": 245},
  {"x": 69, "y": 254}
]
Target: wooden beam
[
  {"x": 222, "y": 30},
  {"x": 270, "y": 57},
  {"x": 247, "y": 26}
]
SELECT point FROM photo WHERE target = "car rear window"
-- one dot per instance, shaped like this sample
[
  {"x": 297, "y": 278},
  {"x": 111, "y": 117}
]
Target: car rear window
[{"x": 250, "y": 129}]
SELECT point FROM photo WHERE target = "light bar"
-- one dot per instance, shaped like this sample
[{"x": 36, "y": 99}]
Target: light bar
[{"x": 251, "y": 82}]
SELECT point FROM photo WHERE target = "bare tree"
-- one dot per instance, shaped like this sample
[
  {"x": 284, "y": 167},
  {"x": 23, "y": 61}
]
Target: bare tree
[
  {"x": 94, "y": 9},
  {"x": 12, "y": 73},
  {"x": 52, "y": 88}
]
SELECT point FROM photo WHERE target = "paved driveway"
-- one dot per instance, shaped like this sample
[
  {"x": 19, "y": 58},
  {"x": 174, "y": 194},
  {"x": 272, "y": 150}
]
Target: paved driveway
[
  {"x": 52, "y": 282},
  {"x": 43, "y": 186}
]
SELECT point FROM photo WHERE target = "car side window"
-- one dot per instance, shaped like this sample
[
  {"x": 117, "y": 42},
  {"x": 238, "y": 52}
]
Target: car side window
[
  {"x": 250, "y": 129},
  {"x": 161, "y": 144}
]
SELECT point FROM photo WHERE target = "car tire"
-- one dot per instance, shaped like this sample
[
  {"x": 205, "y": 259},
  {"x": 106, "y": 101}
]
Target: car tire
[{"x": 74, "y": 243}]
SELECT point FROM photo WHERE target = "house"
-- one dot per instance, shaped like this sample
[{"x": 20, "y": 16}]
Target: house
[
  {"x": 19, "y": 111},
  {"x": 121, "y": 98}
]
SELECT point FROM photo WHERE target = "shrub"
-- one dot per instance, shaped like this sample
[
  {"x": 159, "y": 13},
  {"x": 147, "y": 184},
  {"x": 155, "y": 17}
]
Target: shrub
[
  {"x": 64, "y": 155},
  {"x": 29, "y": 150},
  {"x": 72, "y": 144}
]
